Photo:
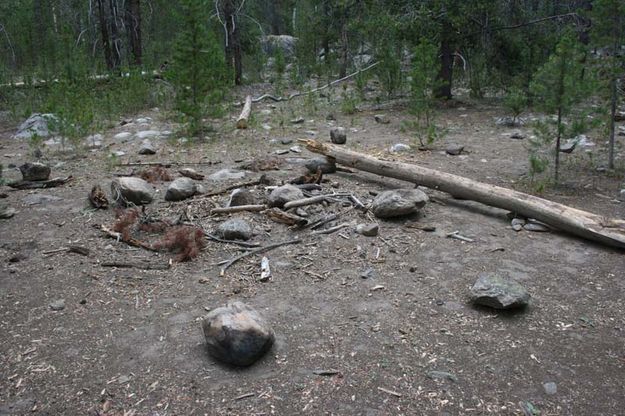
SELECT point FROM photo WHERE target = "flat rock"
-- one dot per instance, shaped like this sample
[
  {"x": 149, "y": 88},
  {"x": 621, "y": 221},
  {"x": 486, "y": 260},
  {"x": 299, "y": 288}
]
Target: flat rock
[
  {"x": 382, "y": 118},
  {"x": 191, "y": 173},
  {"x": 286, "y": 140},
  {"x": 226, "y": 174},
  {"x": 237, "y": 334},
  {"x": 517, "y": 135},
  {"x": 398, "y": 203},
  {"x": 234, "y": 229},
  {"x": 399, "y": 147},
  {"x": 517, "y": 224},
  {"x": 180, "y": 189},
  {"x": 322, "y": 163},
  {"x": 35, "y": 171},
  {"x": 454, "y": 149},
  {"x": 147, "y": 148},
  {"x": 283, "y": 194},
  {"x": 298, "y": 120},
  {"x": 146, "y": 134},
  {"x": 6, "y": 212},
  {"x": 536, "y": 227},
  {"x": 498, "y": 292},
  {"x": 40, "y": 199},
  {"x": 122, "y": 136},
  {"x": 338, "y": 135},
  {"x": 37, "y": 124},
  {"x": 368, "y": 230},
  {"x": 240, "y": 197},
  {"x": 131, "y": 190},
  {"x": 551, "y": 388},
  {"x": 58, "y": 305},
  {"x": 568, "y": 147}
]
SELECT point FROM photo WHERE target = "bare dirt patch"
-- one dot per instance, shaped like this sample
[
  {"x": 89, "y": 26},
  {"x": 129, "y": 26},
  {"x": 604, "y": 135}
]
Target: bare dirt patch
[{"x": 404, "y": 340}]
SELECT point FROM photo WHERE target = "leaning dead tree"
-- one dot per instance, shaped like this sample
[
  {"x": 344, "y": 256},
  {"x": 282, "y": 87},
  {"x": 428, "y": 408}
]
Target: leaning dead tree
[{"x": 574, "y": 221}]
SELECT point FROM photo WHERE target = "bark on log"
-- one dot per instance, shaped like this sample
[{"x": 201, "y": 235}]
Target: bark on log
[
  {"x": 245, "y": 114},
  {"x": 583, "y": 224}
]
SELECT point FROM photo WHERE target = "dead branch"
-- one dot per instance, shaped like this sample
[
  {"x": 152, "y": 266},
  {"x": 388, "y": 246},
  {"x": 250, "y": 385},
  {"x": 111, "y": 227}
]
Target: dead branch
[
  {"x": 299, "y": 93},
  {"x": 331, "y": 229},
  {"x": 277, "y": 215},
  {"x": 575, "y": 221},
  {"x": 239, "y": 208},
  {"x": 228, "y": 263},
  {"x": 245, "y": 114},
  {"x": 231, "y": 187},
  {"x": 136, "y": 265},
  {"x": 238, "y": 243},
  {"x": 306, "y": 201},
  {"x": 130, "y": 240},
  {"x": 50, "y": 183}
]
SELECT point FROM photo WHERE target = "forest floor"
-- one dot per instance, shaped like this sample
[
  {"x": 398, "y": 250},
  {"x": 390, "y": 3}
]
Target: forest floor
[{"x": 129, "y": 341}]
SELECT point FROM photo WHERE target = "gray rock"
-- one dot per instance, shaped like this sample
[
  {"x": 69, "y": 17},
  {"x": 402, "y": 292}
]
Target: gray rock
[
  {"x": 367, "y": 273},
  {"x": 147, "y": 148},
  {"x": 296, "y": 149},
  {"x": 442, "y": 375},
  {"x": 568, "y": 147},
  {"x": 368, "y": 230},
  {"x": 37, "y": 124},
  {"x": 536, "y": 227},
  {"x": 551, "y": 388},
  {"x": 40, "y": 199},
  {"x": 282, "y": 151},
  {"x": 322, "y": 163},
  {"x": 240, "y": 197},
  {"x": 382, "y": 118},
  {"x": 621, "y": 195},
  {"x": 234, "y": 229},
  {"x": 58, "y": 305},
  {"x": 270, "y": 44},
  {"x": 298, "y": 120},
  {"x": 398, "y": 202},
  {"x": 498, "y": 292},
  {"x": 122, "y": 136},
  {"x": 284, "y": 194},
  {"x": 6, "y": 212},
  {"x": 338, "y": 135},
  {"x": 191, "y": 173},
  {"x": 399, "y": 147},
  {"x": 237, "y": 334},
  {"x": 35, "y": 171},
  {"x": 181, "y": 188},
  {"x": 94, "y": 141},
  {"x": 286, "y": 140},
  {"x": 517, "y": 135},
  {"x": 146, "y": 134},
  {"x": 517, "y": 224},
  {"x": 454, "y": 149},
  {"x": 509, "y": 121},
  {"x": 226, "y": 174},
  {"x": 131, "y": 190}
]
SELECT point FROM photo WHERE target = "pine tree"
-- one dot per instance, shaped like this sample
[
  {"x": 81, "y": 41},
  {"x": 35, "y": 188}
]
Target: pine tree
[
  {"x": 198, "y": 70},
  {"x": 608, "y": 29},
  {"x": 557, "y": 87},
  {"x": 424, "y": 83}
]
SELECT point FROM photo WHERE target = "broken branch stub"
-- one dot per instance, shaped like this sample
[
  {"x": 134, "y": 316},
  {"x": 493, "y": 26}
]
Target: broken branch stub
[
  {"x": 583, "y": 224},
  {"x": 245, "y": 114}
]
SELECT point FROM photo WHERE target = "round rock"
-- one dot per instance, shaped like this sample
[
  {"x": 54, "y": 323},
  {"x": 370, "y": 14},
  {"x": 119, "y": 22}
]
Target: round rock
[
  {"x": 368, "y": 230},
  {"x": 181, "y": 188},
  {"x": 283, "y": 194},
  {"x": 131, "y": 190},
  {"x": 326, "y": 165},
  {"x": 240, "y": 197},
  {"x": 498, "y": 293},
  {"x": 237, "y": 334},
  {"x": 338, "y": 135},
  {"x": 398, "y": 203},
  {"x": 234, "y": 229},
  {"x": 35, "y": 171},
  {"x": 147, "y": 148}
]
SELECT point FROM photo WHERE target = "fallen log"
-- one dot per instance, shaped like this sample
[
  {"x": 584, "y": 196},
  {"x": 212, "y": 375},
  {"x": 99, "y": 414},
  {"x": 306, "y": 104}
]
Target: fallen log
[
  {"x": 245, "y": 114},
  {"x": 50, "y": 183},
  {"x": 583, "y": 224}
]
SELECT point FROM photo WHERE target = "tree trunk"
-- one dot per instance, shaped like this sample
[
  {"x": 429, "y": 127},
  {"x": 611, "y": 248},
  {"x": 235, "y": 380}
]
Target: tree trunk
[
  {"x": 245, "y": 114},
  {"x": 447, "y": 59},
  {"x": 580, "y": 223},
  {"x": 233, "y": 42},
  {"x": 613, "y": 100},
  {"x": 133, "y": 23},
  {"x": 344, "y": 46},
  {"x": 115, "y": 46},
  {"x": 106, "y": 40}
]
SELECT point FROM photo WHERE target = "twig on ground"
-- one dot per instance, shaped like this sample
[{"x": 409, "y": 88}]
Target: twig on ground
[
  {"x": 258, "y": 250},
  {"x": 129, "y": 265},
  {"x": 231, "y": 187},
  {"x": 118, "y": 236},
  {"x": 239, "y": 208},
  {"x": 458, "y": 236},
  {"x": 331, "y": 229},
  {"x": 306, "y": 201},
  {"x": 239, "y": 243}
]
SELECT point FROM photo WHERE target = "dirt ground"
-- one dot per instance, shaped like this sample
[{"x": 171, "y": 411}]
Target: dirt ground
[{"x": 129, "y": 341}]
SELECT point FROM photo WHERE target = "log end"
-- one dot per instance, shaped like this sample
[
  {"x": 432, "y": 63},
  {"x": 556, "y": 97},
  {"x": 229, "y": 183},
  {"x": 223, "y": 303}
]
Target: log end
[{"x": 241, "y": 124}]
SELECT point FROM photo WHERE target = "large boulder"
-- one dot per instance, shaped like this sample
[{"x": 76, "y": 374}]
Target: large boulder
[
  {"x": 181, "y": 188},
  {"x": 35, "y": 171},
  {"x": 42, "y": 125},
  {"x": 283, "y": 194},
  {"x": 234, "y": 229},
  {"x": 131, "y": 190},
  {"x": 237, "y": 334},
  {"x": 271, "y": 44},
  {"x": 499, "y": 293},
  {"x": 398, "y": 203}
]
